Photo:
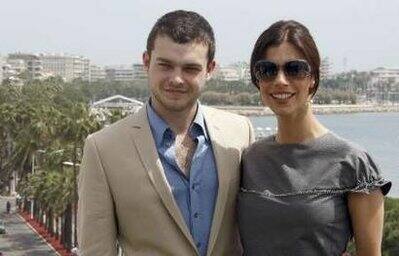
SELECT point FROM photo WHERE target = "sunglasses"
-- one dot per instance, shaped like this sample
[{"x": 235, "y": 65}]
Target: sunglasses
[{"x": 294, "y": 69}]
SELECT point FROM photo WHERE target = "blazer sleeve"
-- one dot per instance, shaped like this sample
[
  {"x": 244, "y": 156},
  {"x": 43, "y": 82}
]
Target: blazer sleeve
[
  {"x": 96, "y": 219},
  {"x": 251, "y": 132}
]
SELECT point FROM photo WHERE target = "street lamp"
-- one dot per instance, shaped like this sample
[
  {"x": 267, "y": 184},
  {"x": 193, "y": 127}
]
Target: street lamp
[
  {"x": 33, "y": 172},
  {"x": 75, "y": 195}
]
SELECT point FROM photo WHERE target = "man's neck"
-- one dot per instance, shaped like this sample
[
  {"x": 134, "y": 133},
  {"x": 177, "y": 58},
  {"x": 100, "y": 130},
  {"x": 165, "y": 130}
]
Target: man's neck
[{"x": 178, "y": 121}]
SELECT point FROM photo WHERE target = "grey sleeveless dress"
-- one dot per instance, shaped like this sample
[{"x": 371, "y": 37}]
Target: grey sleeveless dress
[{"x": 293, "y": 198}]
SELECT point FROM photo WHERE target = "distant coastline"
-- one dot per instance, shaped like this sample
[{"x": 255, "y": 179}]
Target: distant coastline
[{"x": 317, "y": 109}]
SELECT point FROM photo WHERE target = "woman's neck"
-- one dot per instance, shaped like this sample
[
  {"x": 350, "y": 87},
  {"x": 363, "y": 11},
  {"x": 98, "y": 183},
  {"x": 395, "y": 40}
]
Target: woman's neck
[{"x": 299, "y": 128}]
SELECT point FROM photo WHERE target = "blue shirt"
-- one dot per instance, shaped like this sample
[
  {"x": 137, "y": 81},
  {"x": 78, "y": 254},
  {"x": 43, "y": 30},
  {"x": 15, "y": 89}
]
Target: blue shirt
[{"x": 195, "y": 195}]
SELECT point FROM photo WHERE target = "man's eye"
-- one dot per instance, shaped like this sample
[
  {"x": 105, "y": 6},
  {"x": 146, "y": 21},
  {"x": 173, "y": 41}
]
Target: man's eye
[
  {"x": 164, "y": 65},
  {"x": 192, "y": 69}
]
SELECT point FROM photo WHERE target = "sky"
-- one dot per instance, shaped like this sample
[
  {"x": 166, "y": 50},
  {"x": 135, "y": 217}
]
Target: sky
[{"x": 353, "y": 34}]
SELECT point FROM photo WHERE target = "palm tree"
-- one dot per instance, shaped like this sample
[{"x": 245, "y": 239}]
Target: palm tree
[{"x": 77, "y": 124}]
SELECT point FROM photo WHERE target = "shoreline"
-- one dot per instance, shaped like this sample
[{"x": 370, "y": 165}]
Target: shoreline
[{"x": 317, "y": 109}]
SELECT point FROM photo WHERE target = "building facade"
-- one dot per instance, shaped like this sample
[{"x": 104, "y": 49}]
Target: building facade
[
  {"x": 385, "y": 75},
  {"x": 139, "y": 72},
  {"x": 12, "y": 69},
  {"x": 68, "y": 67},
  {"x": 119, "y": 73},
  {"x": 235, "y": 72},
  {"x": 25, "y": 64},
  {"x": 97, "y": 73},
  {"x": 325, "y": 68},
  {"x": 227, "y": 73}
]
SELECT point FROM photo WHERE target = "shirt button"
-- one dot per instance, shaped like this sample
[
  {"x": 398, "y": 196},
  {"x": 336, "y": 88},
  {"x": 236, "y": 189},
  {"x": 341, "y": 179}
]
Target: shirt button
[
  {"x": 198, "y": 244},
  {"x": 196, "y": 215},
  {"x": 194, "y": 186}
]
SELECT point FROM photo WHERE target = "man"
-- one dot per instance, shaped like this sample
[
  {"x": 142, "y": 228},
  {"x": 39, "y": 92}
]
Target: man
[
  {"x": 164, "y": 180},
  {"x": 8, "y": 206}
]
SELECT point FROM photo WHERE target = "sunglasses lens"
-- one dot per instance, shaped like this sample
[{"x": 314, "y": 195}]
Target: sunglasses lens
[
  {"x": 297, "y": 69},
  {"x": 265, "y": 70}
]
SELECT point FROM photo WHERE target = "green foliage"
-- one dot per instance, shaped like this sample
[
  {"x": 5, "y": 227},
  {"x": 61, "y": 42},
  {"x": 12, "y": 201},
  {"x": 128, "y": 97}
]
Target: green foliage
[
  {"x": 390, "y": 243},
  {"x": 329, "y": 96}
]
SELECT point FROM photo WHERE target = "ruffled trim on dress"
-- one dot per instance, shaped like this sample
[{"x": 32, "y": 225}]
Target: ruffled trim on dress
[
  {"x": 361, "y": 187},
  {"x": 368, "y": 186}
]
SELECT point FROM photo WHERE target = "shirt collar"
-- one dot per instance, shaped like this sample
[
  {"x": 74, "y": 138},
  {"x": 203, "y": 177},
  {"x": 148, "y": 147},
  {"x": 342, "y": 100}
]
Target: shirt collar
[
  {"x": 159, "y": 126},
  {"x": 198, "y": 126}
]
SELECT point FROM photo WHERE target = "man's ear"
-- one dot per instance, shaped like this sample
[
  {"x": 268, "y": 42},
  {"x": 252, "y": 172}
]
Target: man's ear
[
  {"x": 146, "y": 60},
  {"x": 210, "y": 68}
]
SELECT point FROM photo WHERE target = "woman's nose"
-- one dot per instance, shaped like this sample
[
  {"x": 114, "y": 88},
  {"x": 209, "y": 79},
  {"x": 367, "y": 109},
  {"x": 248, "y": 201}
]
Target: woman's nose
[{"x": 281, "y": 78}]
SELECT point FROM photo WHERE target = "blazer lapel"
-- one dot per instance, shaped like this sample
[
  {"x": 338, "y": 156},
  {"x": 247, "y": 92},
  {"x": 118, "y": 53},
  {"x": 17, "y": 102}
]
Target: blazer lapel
[
  {"x": 222, "y": 158},
  {"x": 144, "y": 142}
]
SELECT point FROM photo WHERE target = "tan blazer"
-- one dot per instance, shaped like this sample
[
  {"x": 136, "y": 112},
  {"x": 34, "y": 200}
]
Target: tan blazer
[{"x": 124, "y": 195}]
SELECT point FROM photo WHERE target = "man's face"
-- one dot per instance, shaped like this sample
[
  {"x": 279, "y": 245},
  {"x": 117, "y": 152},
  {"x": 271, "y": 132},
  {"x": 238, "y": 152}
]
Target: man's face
[{"x": 176, "y": 74}]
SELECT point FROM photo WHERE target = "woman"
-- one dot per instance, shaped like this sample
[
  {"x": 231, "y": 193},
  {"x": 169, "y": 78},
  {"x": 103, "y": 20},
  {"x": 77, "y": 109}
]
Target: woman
[{"x": 305, "y": 191}]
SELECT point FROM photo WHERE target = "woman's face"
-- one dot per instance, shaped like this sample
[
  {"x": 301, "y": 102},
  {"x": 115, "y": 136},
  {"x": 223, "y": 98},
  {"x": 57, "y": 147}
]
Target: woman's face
[{"x": 285, "y": 95}]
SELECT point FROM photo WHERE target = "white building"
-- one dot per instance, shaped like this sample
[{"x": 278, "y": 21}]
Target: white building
[
  {"x": 139, "y": 72},
  {"x": 12, "y": 68},
  {"x": 119, "y": 73},
  {"x": 117, "y": 101},
  {"x": 238, "y": 71},
  {"x": 24, "y": 63},
  {"x": 227, "y": 73},
  {"x": 103, "y": 108},
  {"x": 97, "y": 73},
  {"x": 385, "y": 75},
  {"x": 86, "y": 69},
  {"x": 325, "y": 68},
  {"x": 245, "y": 75},
  {"x": 68, "y": 67}
]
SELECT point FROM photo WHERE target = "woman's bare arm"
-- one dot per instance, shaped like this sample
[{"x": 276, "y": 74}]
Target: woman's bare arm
[{"x": 367, "y": 214}]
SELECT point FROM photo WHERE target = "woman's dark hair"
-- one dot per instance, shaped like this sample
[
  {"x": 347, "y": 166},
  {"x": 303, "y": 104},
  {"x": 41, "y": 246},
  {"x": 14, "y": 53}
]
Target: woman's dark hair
[{"x": 294, "y": 33}]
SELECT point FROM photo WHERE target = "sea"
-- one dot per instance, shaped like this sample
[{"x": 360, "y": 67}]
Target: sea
[{"x": 378, "y": 133}]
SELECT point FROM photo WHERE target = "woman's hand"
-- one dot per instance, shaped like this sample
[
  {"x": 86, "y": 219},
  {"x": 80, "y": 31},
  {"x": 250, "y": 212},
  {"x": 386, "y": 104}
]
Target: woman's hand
[{"x": 367, "y": 215}]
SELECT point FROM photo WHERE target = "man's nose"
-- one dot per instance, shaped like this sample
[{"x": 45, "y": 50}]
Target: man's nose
[{"x": 177, "y": 76}]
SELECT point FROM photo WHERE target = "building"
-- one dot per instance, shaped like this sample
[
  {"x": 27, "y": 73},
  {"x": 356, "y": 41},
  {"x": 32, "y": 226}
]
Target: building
[
  {"x": 119, "y": 73},
  {"x": 68, "y": 67},
  {"x": 238, "y": 71},
  {"x": 86, "y": 69},
  {"x": 325, "y": 68},
  {"x": 382, "y": 74},
  {"x": 26, "y": 64},
  {"x": 97, "y": 73},
  {"x": 385, "y": 84},
  {"x": 227, "y": 73},
  {"x": 117, "y": 102},
  {"x": 244, "y": 71},
  {"x": 104, "y": 109},
  {"x": 12, "y": 69},
  {"x": 139, "y": 72}
]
